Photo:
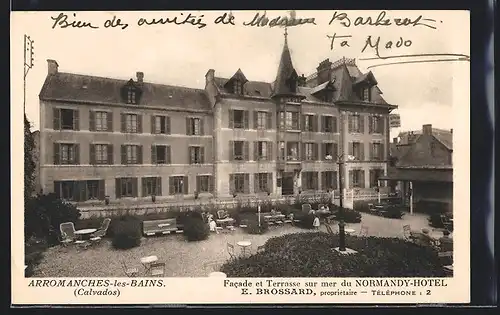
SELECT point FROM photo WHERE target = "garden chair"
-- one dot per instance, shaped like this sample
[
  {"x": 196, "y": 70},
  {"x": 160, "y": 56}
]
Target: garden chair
[
  {"x": 97, "y": 236},
  {"x": 157, "y": 269},
  {"x": 222, "y": 214},
  {"x": 68, "y": 234},
  {"x": 130, "y": 272},
  {"x": 230, "y": 250}
]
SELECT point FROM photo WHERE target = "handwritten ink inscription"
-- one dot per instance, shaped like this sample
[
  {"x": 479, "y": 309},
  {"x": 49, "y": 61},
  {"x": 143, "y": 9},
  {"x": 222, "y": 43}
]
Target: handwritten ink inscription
[
  {"x": 262, "y": 20},
  {"x": 62, "y": 20},
  {"x": 189, "y": 19},
  {"x": 381, "y": 20}
]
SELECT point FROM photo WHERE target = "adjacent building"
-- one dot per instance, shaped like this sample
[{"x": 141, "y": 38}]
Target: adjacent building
[
  {"x": 236, "y": 137},
  {"x": 423, "y": 160}
]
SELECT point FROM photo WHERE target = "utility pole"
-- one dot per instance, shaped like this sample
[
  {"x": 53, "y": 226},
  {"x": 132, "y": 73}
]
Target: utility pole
[{"x": 28, "y": 63}]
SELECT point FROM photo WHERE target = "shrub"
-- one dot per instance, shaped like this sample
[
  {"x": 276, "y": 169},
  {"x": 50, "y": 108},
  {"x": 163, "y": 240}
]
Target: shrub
[
  {"x": 43, "y": 215},
  {"x": 305, "y": 220},
  {"x": 195, "y": 229},
  {"x": 311, "y": 255},
  {"x": 349, "y": 216},
  {"x": 127, "y": 232},
  {"x": 393, "y": 211},
  {"x": 33, "y": 254},
  {"x": 253, "y": 225},
  {"x": 431, "y": 207},
  {"x": 361, "y": 206}
]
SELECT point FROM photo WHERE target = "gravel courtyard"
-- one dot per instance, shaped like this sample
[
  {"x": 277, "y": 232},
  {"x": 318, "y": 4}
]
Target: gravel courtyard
[{"x": 187, "y": 259}]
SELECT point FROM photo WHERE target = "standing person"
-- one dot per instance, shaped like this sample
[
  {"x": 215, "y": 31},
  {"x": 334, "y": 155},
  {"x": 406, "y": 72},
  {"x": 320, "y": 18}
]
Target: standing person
[
  {"x": 213, "y": 226},
  {"x": 316, "y": 223}
]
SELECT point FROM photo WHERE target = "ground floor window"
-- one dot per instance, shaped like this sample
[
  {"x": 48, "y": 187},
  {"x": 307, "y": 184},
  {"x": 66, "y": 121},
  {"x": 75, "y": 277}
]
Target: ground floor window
[
  {"x": 375, "y": 174},
  {"x": 126, "y": 187},
  {"x": 263, "y": 182},
  {"x": 81, "y": 190},
  {"x": 310, "y": 180},
  {"x": 239, "y": 183},
  {"x": 204, "y": 184},
  {"x": 178, "y": 185},
  {"x": 151, "y": 186},
  {"x": 329, "y": 180},
  {"x": 357, "y": 179}
]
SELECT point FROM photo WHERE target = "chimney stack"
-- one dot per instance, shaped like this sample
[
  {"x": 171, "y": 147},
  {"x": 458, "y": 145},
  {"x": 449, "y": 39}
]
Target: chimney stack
[
  {"x": 140, "y": 77},
  {"x": 427, "y": 129},
  {"x": 53, "y": 67},
  {"x": 209, "y": 77},
  {"x": 302, "y": 80},
  {"x": 324, "y": 70}
]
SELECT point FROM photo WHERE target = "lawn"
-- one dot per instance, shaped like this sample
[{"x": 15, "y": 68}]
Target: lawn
[{"x": 187, "y": 259}]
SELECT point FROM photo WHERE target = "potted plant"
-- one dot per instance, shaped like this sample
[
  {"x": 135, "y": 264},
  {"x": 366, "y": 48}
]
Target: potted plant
[
  {"x": 106, "y": 200},
  {"x": 153, "y": 198},
  {"x": 196, "y": 194}
]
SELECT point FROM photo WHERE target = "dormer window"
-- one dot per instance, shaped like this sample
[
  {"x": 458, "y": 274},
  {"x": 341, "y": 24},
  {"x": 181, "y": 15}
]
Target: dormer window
[
  {"x": 237, "y": 87},
  {"x": 366, "y": 95},
  {"x": 131, "y": 96}
]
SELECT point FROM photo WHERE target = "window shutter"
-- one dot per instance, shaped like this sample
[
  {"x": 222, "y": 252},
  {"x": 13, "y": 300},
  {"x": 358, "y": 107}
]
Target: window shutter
[
  {"x": 246, "y": 118},
  {"x": 231, "y": 118},
  {"x": 371, "y": 152},
  {"x": 139, "y": 154},
  {"x": 304, "y": 155},
  {"x": 102, "y": 189},
  {"x": 109, "y": 117},
  {"x": 118, "y": 187},
  {"x": 190, "y": 155},
  {"x": 153, "y": 124},
  {"x": 334, "y": 125},
  {"x": 92, "y": 154},
  {"x": 77, "y": 154},
  {"x": 362, "y": 178},
  {"x": 270, "y": 182},
  {"x": 91, "y": 120},
  {"x": 381, "y": 126},
  {"x": 231, "y": 184},
  {"x": 153, "y": 154},
  {"x": 322, "y": 123},
  {"x": 370, "y": 124},
  {"x": 188, "y": 126},
  {"x": 76, "y": 119},
  {"x": 362, "y": 151},
  {"x": 255, "y": 120},
  {"x": 335, "y": 149},
  {"x": 56, "y": 154},
  {"x": 167, "y": 123},
  {"x": 168, "y": 158},
  {"x": 56, "y": 118},
  {"x": 256, "y": 183},
  {"x": 144, "y": 183},
  {"x": 202, "y": 127},
  {"x": 269, "y": 120},
  {"x": 123, "y": 122},
  {"x": 202, "y": 155},
  {"x": 185, "y": 185},
  {"x": 382, "y": 152},
  {"x": 231, "y": 150},
  {"x": 270, "y": 152},
  {"x": 351, "y": 179},
  {"x": 110, "y": 155},
  {"x": 135, "y": 187},
  {"x": 303, "y": 123},
  {"x": 323, "y": 181},
  {"x": 247, "y": 183},
  {"x": 315, "y": 151},
  {"x": 57, "y": 189},
  {"x": 371, "y": 176},
  {"x": 139, "y": 123},
  {"x": 245, "y": 150},
  {"x": 316, "y": 181},
  {"x": 316, "y": 123},
  {"x": 171, "y": 190},
  {"x": 211, "y": 181},
  {"x": 351, "y": 148},
  {"x": 255, "y": 150},
  {"x": 158, "y": 186},
  {"x": 198, "y": 183},
  {"x": 123, "y": 153},
  {"x": 361, "y": 124},
  {"x": 350, "y": 122}
]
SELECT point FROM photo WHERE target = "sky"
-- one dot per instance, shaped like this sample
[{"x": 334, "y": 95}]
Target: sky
[{"x": 182, "y": 54}]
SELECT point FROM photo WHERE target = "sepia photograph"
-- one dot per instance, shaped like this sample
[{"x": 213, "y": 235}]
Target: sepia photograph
[{"x": 243, "y": 144}]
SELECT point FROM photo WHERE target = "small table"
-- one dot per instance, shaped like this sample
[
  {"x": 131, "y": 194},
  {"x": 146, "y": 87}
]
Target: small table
[
  {"x": 349, "y": 231},
  {"x": 84, "y": 232},
  {"x": 244, "y": 245},
  {"x": 217, "y": 274},
  {"x": 224, "y": 222},
  {"x": 147, "y": 261}
]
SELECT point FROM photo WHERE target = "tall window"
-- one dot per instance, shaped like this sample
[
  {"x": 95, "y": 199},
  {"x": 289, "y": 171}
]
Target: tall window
[
  {"x": 151, "y": 186},
  {"x": 357, "y": 150},
  {"x": 65, "y": 119},
  {"x": 126, "y": 187},
  {"x": 377, "y": 153},
  {"x": 131, "y": 124},
  {"x": 262, "y": 150},
  {"x": 376, "y": 125},
  {"x": 131, "y": 96},
  {"x": 239, "y": 183},
  {"x": 262, "y": 120},
  {"x": 101, "y": 153},
  {"x": 178, "y": 185},
  {"x": 375, "y": 174},
  {"x": 196, "y": 155},
  {"x": 194, "y": 126},
  {"x": 239, "y": 119},
  {"x": 292, "y": 151},
  {"x": 131, "y": 154},
  {"x": 237, "y": 87},
  {"x": 262, "y": 182},
  {"x": 310, "y": 151},
  {"x": 357, "y": 178},
  {"x": 292, "y": 120},
  {"x": 239, "y": 150},
  {"x": 79, "y": 190},
  {"x": 66, "y": 153},
  {"x": 309, "y": 123},
  {"x": 160, "y": 154},
  {"x": 282, "y": 152},
  {"x": 355, "y": 123},
  {"x": 310, "y": 180},
  {"x": 101, "y": 121},
  {"x": 329, "y": 180},
  {"x": 329, "y": 151},
  {"x": 203, "y": 183},
  {"x": 160, "y": 125},
  {"x": 329, "y": 124},
  {"x": 366, "y": 94}
]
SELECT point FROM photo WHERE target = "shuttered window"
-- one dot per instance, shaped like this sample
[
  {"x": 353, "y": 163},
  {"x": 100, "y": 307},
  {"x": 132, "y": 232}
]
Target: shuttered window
[
  {"x": 80, "y": 190},
  {"x": 178, "y": 185},
  {"x": 126, "y": 187},
  {"x": 151, "y": 186}
]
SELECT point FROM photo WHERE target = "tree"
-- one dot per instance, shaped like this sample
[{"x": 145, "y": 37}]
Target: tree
[{"x": 29, "y": 164}]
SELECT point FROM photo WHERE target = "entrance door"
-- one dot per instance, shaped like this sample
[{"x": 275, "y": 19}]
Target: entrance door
[{"x": 287, "y": 184}]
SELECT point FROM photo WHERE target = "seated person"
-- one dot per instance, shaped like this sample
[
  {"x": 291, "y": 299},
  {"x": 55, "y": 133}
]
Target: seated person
[
  {"x": 316, "y": 223},
  {"x": 213, "y": 226},
  {"x": 222, "y": 214},
  {"x": 446, "y": 242}
]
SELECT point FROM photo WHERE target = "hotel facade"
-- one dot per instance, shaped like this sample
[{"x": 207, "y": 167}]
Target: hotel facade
[{"x": 104, "y": 138}]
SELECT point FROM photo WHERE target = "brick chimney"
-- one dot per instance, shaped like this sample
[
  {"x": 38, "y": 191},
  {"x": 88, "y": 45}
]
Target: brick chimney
[
  {"x": 427, "y": 129},
  {"x": 52, "y": 66},
  {"x": 209, "y": 77},
  {"x": 324, "y": 71},
  {"x": 140, "y": 77},
  {"x": 302, "y": 80}
]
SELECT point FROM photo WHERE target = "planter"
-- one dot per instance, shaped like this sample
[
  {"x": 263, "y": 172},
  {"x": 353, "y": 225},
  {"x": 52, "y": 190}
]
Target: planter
[
  {"x": 106, "y": 200},
  {"x": 153, "y": 198}
]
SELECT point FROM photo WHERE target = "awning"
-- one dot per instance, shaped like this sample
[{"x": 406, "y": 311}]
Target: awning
[{"x": 423, "y": 175}]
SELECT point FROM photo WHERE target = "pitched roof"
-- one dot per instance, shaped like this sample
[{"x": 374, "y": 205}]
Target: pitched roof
[
  {"x": 251, "y": 88},
  {"x": 441, "y": 135},
  {"x": 76, "y": 87},
  {"x": 419, "y": 174},
  {"x": 286, "y": 71}
]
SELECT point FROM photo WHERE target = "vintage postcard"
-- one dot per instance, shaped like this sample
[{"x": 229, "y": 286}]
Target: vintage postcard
[{"x": 317, "y": 157}]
